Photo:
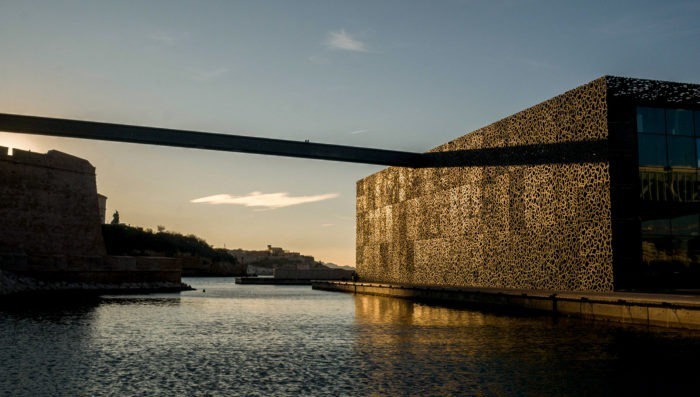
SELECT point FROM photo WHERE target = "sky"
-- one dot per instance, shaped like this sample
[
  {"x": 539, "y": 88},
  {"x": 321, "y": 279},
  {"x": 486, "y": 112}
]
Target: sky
[{"x": 402, "y": 75}]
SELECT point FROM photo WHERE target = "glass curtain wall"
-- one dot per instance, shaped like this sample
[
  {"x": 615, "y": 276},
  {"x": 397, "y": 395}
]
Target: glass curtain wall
[{"x": 669, "y": 148}]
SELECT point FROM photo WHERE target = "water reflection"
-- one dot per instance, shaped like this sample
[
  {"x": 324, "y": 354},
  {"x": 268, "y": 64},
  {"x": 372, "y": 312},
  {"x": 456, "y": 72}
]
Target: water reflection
[
  {"x": 146, "y": 300},
  {"x": 290, "y": 341},
  {"x": 40, "y": 340},
  {"x": 441, "y": 351},
  {"x": 380, "y": 310},
  {"x": 433, "y": 350},
  {"x": 48, "y": 307}
]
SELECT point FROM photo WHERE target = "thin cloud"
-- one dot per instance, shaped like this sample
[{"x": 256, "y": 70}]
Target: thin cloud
[
  {"x": 169, "y": 38},
  {"x": 341, "y": 40},
  {"x": 264, "y": 200},
  {"x": 339, "y": 88},
  {"x": 534, "y": 64},
  {"x": 207, "y": 75},
  {"x": 358, "y": 132},
  {"x": 328, "y": 225}
]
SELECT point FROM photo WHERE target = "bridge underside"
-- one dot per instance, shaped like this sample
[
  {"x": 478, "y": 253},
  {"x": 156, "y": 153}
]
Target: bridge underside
[
  {"x": 564, "y": 152},
  {"x": 203, "y": 140}
]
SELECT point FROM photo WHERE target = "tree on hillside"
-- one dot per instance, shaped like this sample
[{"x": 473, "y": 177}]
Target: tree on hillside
[{"x": 127, "y": 240}]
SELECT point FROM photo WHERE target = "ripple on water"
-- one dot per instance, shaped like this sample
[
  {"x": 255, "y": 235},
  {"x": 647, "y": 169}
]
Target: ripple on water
[{"x": 267, "y": 340}]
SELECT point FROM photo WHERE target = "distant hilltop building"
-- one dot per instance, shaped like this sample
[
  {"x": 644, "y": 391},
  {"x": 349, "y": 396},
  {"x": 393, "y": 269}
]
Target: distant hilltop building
[
  {"x": 272, "y": 253},
  {"x": 275, "y": 251},
  {"x": 264, "y": 262},
  {"x": 597, "y": 189}
]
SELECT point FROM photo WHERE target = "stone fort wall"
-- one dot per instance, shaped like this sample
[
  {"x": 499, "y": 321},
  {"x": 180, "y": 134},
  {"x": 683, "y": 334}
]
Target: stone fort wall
[
  {"x": 48, "y": 205},
  {"x": 533, "y": 216}
]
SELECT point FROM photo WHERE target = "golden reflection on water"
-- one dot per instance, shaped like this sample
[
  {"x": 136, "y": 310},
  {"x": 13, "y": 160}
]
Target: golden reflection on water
[
  {"x": 408, "y": 336},
  {"x": 381, "y": 310},
  {"x": 481, "y": 353}
]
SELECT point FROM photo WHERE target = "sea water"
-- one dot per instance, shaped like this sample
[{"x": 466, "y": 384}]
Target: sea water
[{"x": 255, "y": 340}]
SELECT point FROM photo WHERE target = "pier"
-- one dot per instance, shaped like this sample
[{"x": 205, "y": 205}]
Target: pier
[{"x": 647, "y": 309}]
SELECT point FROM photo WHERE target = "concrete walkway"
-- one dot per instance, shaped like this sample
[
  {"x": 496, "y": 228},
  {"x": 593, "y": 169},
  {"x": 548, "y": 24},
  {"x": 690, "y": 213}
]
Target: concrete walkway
[{"x": 650, "y": 309}]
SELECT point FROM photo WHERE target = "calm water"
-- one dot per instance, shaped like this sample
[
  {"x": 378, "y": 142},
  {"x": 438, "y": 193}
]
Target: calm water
[{"x": 287, "y": 340}]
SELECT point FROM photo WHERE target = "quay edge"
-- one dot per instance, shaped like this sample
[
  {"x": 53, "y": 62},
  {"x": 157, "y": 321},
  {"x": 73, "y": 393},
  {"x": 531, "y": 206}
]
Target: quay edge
[{"x": 646, "y": 309}]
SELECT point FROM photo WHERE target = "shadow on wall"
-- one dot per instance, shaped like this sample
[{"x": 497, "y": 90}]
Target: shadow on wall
[{"x": 561, "y": 153}]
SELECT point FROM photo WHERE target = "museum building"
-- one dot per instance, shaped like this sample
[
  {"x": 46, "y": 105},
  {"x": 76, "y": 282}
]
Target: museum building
[{"x": 596, "y": 189}]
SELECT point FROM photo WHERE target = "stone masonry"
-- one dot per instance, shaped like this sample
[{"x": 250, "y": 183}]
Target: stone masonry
[{"x": 48, "y": 204}]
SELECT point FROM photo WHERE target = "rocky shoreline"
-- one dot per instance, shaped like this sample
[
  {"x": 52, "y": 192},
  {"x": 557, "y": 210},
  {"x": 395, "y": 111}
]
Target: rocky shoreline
[{"x": 12, "y": 284}]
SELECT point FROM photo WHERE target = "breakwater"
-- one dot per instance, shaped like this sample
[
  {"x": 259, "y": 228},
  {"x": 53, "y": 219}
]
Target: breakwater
[
  {"x": 13, "y": 285},
  {"x": 55, "y": 273}
]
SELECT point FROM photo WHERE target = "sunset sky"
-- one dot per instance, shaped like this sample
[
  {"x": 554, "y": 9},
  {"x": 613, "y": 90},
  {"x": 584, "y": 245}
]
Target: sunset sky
[{"x": 404, "y": 75}]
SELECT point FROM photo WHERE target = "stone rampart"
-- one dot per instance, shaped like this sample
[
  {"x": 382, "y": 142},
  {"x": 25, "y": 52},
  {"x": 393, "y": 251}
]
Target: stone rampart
[
  {"x": 51, "y": 236},
  {"x": 94, "y": 269},
  {"x": 537, "y": 221},
  {"x": 48, "y": 204}
]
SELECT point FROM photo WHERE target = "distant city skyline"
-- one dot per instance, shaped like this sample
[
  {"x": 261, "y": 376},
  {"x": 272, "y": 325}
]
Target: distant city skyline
[{"x": 403, "y": 75}]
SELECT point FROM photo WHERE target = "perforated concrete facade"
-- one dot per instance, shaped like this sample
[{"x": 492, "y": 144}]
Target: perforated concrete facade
[
  {"x": 541, "y": 221},
  {"x": 548, "y": 198}
]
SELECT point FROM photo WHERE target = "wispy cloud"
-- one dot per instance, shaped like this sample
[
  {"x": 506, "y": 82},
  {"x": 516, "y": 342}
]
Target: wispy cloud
[
  {"x": 358, "y": 132},
  {"x": 207, "y": 75},
  {"x": 328, "y": 225},
  {"x": 341, "y": 40},
  {"x": 169, "y": 38},
  {"x": 264, "y": 200},
  {"x": 340, "y": 88}
]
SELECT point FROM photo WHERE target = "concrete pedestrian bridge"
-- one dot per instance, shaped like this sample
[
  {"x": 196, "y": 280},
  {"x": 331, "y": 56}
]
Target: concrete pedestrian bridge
[{"x": 81, "y": 129}]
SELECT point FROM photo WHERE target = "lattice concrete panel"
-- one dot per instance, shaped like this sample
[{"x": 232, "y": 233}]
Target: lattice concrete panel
[{"x": 544, "y": 226}]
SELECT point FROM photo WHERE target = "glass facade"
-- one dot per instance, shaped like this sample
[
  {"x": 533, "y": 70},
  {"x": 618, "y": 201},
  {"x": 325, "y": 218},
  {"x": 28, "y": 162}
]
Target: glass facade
[
  {"x": 669, "y": 163},
  {"x": 668, "y": 137}
]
